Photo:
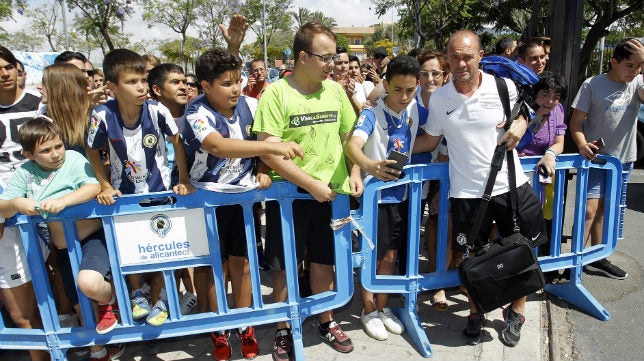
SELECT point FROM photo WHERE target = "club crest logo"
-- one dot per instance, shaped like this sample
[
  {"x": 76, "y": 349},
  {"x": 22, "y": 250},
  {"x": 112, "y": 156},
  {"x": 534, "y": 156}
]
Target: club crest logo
[
  {"x": 150, "y": 140},
  {"x": 160, "y": 224},
  {"x": 461, "y": 239}
]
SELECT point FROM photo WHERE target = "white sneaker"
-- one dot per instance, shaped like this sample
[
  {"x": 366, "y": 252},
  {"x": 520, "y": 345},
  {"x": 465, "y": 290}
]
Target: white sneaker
[
  {"x": 373, "y": 326},
  {"x": 187, "y": 303},
  {"x": 391, "y": 322}
]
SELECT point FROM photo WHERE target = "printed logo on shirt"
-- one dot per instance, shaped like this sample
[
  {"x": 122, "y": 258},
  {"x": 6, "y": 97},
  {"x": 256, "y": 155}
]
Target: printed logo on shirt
[
  {"x": 620, "y": 101},
  {"x": 199, "y": 125},
  {"x": 248, "y": 130},
  {"x": 303, "y": 120},
  {"x": 150, "y": 140},
  {"x": 135, "y": 172},
  {"x": 399, "y": 144},
  {"x": 361, "y": 120},
  {"x": 461, "y": 239},
  {"x": 93, "y": 124},
  {"x": 16, "y": 276}
]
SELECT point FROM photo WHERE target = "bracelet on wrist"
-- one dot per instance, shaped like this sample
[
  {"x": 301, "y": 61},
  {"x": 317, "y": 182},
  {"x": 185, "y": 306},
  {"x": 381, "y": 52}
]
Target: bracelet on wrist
[{"x": 551, "y": 152}]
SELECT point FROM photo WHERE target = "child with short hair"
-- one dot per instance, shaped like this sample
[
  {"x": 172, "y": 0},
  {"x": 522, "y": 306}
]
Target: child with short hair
[
  {"x": 389, "y": 126},
  {"x": 53, "y": 179},
  {"x": 134, "y": 129},
  {"x": 222, "y": 152}
]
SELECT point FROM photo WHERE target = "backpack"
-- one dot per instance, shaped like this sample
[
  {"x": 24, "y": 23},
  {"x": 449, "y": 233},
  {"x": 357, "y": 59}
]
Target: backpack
[{"x": 524, "y": 78}]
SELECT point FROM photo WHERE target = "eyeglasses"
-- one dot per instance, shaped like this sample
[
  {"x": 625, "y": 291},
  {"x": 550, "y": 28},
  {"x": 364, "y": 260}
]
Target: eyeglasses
[
  {"x": 192, "y": 85},
  {"x": 434, "y": 73},
  {"x": 89, "y": 72},
  {"x": 379, "y": 56},
  {"x": 325, "y": 58}
]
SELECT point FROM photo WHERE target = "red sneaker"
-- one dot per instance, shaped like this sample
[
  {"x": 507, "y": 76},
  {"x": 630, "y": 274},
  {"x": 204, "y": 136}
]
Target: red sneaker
[
  {"x": 249, "y": 346},
  {"x": 221, "y": 347},
  {"x": 106, "y": 318}
]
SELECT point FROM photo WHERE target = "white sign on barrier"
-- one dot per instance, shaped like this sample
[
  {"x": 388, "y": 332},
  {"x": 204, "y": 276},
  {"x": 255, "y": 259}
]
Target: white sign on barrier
[{"x": 161, "y": 237}]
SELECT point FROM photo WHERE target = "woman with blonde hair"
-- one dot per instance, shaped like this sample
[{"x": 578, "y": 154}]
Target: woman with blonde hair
[{"x": 67, "y": 102}]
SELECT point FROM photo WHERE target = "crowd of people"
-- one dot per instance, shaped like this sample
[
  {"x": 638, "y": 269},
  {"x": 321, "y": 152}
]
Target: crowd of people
[{"x": 326, "y": 125}]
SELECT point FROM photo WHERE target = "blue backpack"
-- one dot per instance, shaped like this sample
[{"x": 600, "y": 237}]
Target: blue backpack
[{"x": 524, "y": 78}]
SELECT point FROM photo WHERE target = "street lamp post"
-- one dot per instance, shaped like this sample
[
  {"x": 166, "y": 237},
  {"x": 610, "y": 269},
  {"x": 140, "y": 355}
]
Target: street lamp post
[
  {"x": 264, "y": 32},
  {"x": 62, "y": 7}
]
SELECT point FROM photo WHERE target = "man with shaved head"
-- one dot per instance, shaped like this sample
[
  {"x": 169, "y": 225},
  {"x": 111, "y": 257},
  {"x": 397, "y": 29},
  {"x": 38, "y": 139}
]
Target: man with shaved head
[{"x": 468, "y": 112}]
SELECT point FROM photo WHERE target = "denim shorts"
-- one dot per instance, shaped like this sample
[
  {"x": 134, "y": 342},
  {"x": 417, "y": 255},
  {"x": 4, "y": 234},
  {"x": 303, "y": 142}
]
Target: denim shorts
[{"x": 597, "y": 180}]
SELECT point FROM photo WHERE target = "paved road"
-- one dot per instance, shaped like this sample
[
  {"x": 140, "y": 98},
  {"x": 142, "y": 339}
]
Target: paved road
[{"x": 581, "y": 337}]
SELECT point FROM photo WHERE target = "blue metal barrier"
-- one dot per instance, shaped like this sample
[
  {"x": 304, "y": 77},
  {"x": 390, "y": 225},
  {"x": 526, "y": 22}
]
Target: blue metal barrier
[
  {"x": 295, "y": 310},
  {"x": 414, "y": 282}
]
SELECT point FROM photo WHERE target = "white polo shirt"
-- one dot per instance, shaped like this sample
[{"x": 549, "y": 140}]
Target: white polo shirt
[{"x": 470, "y": 128}]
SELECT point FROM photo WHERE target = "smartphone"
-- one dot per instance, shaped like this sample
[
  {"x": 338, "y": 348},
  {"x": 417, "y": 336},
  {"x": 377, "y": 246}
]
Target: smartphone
[
  {"x": 401, "y": 160},
  {"x": 599, "y": 143}
]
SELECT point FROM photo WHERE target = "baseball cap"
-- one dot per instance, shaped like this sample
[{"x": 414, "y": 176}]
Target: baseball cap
[{"x": 380, "y": 51}]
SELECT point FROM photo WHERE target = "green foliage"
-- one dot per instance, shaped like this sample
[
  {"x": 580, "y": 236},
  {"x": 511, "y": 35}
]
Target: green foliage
[
  {"x": 100, "y": 18},
  {"x": 342, "y": 41},
  {"x": 303, "y": 16},
  {"x": 279, "y": 26}
]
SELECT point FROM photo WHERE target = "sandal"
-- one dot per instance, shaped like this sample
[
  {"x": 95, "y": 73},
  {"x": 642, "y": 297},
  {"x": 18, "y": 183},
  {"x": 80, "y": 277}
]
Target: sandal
[{"x": 439, "y": 302}]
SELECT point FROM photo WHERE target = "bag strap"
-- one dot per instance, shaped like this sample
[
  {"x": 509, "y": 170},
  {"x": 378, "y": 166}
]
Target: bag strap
[
  {"x": 497, "y": 163},
  {"x": 502, "y": 88}
]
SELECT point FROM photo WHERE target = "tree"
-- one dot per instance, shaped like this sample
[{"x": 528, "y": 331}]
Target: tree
[
  {"x": 178, "y": 15},
  {"x": 100, "y": 17},
  {"x": 7, "y": 7},
  {"x": 278, "y": 19},
  {"x": 428, "y": 19},
  {"x": 599, "y": 15},
  {"x": 303, "y": 16},
  {"x": 211, "y": 14},
  {"x": 45, "y": 23},
  {"x": 22, "y": 41}
]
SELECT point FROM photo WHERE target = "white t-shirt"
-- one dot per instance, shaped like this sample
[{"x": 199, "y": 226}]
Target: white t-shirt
[{"x": 470, "y": 128}]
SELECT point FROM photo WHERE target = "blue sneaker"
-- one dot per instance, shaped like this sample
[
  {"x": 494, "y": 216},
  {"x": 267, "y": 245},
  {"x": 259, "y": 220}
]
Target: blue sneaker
[
  {"x": 140, "y": 306},
  {"x": 159, "y": 314}
]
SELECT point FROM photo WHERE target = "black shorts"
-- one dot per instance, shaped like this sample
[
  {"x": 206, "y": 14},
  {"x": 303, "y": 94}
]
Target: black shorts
[
  {"x": 232, "y": 231},
  {"x": 392, "y": 226},
  {"x": 313, "y": 233},
  {"x": 530, "y": 218},
  {"x": 94, "y": 255}
]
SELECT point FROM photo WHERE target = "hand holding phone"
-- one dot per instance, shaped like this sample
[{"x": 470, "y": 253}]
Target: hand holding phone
[
  {"x": 401, "y": 160},
  {"x": 599, "y": 143}
]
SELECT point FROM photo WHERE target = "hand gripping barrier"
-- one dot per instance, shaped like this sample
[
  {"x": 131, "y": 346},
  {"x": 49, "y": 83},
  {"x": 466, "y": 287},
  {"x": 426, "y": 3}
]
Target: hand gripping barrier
[
  {"x": 413, "y": 282},
  {"x": 198, "y": 209}
]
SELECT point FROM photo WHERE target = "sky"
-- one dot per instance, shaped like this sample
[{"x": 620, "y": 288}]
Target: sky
[{"x": 345, "y": 13}]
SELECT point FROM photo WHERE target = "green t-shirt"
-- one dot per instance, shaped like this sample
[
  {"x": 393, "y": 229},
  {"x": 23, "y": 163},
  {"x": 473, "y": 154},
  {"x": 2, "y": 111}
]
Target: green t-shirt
[
  {"x": 315, "y": 122},
  {"x": 33, "y": 182}
]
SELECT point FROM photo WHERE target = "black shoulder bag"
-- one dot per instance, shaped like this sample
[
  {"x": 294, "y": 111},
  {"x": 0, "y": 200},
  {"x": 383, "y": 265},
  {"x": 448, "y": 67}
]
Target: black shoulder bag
[{"x": 505, "y": 269}]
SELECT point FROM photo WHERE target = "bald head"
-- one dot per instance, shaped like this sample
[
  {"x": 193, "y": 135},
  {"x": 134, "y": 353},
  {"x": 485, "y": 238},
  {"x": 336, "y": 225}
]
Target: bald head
[
  {"x": 463, "y": 55},
  {"x": 467, "y": 36}
]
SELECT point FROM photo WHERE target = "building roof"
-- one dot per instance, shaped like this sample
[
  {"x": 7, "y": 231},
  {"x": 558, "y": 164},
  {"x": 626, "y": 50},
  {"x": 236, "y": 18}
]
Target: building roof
[{"x": 345, "y": 30}]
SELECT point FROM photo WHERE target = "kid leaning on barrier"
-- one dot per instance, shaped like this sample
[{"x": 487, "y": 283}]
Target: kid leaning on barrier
[
  {"x": 50, "y": 181},
  {"x": 134, "y": 129},
  {"x": 222, "y": 154}
]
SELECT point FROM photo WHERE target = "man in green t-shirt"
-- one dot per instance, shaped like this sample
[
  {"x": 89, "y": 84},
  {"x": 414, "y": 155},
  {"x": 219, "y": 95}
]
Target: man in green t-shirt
[{"x": 314, "y": 112}]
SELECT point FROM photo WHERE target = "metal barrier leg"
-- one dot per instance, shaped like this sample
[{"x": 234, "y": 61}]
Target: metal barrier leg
[
  {"x": 576, "y": 294},
  {"x": 409, "y": 318}
]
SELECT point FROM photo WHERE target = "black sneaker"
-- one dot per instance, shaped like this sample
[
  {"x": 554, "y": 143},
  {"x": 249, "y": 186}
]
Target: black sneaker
[
  {"x": 512, "y": 332},
  {"x": 339, "y": 340},
  {"x": 606, "y": 268},
  {"x": 472, "y": 333},
  {"x": 283, "y": 346}
]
